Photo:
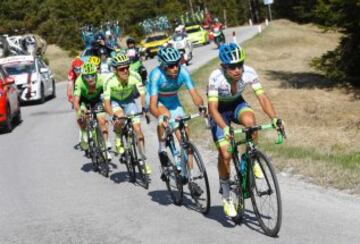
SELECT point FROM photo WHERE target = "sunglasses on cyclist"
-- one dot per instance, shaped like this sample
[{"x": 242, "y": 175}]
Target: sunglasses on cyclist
[
  {"x": 122, "y": 69},
  {"x": 235, "y": 66},
  {"x": 171, "y": 66},
  {"x": 77, "y": 70},
  {"x": 89, "y": 77}
]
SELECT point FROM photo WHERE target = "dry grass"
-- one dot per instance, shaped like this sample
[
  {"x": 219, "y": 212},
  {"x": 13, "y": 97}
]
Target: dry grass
[
  {"x": 59, "y": 61},
  {"x": 322, "y": 119}
]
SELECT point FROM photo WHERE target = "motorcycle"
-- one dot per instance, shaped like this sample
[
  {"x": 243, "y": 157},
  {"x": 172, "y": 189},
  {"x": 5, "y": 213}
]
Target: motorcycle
[
  {"x": 218, "y": 35},
  {"x": 184, "y": 45}
]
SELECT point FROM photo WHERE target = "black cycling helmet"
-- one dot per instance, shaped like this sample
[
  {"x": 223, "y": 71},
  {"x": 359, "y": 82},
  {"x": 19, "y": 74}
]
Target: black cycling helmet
[
  {"x": 130, "y": 40},
  {"x": 102, "y": 51}
]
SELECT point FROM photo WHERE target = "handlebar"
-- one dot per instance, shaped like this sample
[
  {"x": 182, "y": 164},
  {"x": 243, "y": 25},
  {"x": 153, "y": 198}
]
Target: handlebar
[
  {"x": 252, "y": 129},
  {"x": 131, "y": 116}
]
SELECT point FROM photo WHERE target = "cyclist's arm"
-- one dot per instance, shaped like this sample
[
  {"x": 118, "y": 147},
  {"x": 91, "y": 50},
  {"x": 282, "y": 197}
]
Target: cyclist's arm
[
  {"x": 141, "y": 89},
  {"x": 153, "y": 106},
  {"x": 197, "y": 99},
  {"x": 70, "y": 88},
  {"x": 266, "y": 105},
  {"x": 107, "y": 97},
  {"x": 264, "y": 101},
  {"x": 77, "y": 104},
  {"x": 153, "y": 87},
  {"x": 214, "y": 112},
  {"x": 77, "y": 94}
]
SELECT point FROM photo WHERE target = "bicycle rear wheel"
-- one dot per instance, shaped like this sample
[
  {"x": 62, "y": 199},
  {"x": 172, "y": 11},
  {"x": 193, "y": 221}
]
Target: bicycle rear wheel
[
  {"x": 198, "y": 182},
  {"x": 102, "y": 153},
  {"x": 236, "y": 192},
  {"x": 265, "y": 195}
]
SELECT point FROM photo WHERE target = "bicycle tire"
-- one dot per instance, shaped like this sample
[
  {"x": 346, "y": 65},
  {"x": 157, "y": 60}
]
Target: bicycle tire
[
  {"x": 266, "y": 186},
  {"x": 92, "y": 152},
  {"x": 236, "y": 192},
  {"x": 102, "y": 153},
  {"x": 128, "y": 159},
  {"x": 197, "y": 176},
  {"x": 141, "y": 167}
]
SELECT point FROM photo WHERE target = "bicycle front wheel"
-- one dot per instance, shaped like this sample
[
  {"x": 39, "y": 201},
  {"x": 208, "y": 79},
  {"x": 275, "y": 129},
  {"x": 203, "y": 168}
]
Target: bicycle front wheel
[
  {"x": 102, "y": 153},
  {"x": 140, "y": 161},
  {"x": 198, "y": 181},
  {"x": 265, "y": 195}
]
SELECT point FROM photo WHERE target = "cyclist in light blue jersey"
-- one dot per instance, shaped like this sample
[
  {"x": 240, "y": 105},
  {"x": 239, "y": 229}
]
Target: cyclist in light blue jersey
[{"x": 164, "y": 84}]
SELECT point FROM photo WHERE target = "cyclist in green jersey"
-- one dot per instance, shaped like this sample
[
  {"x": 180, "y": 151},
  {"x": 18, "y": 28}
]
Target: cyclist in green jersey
[
  {"x": 88, "y": 91},
  {"x": 120, "y": 91}
]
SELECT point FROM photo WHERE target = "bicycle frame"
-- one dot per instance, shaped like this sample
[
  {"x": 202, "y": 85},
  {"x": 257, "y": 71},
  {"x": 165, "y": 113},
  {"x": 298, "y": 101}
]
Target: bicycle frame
[{"x": 250, "y": 150}]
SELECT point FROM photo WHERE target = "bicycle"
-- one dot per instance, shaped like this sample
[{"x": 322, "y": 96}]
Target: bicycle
[
  {"x": 133, "y": 155},
  {"x": 180, "y": 172},
  {"x": 97, "y": 146},
  {"x": 246, "y": 185}
]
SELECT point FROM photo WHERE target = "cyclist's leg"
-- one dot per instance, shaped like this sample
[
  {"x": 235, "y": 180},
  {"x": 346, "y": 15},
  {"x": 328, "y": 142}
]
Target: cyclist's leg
[
  {"x": 160, "y": 132},
  {"x": 243, "y": 114},
  {"x": 224, "y": 159},
  {"x": 82, "y": 127},
  {"x": 118, "y": 111},
  {"x": 101, "y": 117}
]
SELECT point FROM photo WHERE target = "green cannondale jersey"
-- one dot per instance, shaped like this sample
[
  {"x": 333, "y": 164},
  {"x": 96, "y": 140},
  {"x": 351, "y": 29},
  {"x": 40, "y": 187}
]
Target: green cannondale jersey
[
  {"x": 82, "y": 89},
  {"x": 115, "y": 90}
]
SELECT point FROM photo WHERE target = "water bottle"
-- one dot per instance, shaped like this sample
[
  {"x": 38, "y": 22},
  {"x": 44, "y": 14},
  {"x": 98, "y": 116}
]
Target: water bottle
[{"x": 243, "y": 170}]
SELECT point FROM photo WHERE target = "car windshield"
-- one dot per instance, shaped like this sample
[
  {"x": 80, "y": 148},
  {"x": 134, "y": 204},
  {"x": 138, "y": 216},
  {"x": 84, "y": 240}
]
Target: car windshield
[
  {"x": 178, "y": 37},
  {"x": 19, "y": 68},
  {"x": 155, "y": 38},
  {"x": 193, "y": 30}
]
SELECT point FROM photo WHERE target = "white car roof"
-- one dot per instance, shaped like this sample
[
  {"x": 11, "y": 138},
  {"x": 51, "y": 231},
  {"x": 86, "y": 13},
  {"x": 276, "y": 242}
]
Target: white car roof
[{"x": 19, "y": 58}]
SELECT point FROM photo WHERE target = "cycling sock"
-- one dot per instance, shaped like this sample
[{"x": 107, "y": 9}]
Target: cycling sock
[{"x": 225, "y": 186}]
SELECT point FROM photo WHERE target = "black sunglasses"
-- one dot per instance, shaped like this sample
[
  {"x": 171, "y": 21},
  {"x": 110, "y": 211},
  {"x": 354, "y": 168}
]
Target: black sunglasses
[
  {"x": 171, "y": 66},
  {"x": 235, "y": 66}
]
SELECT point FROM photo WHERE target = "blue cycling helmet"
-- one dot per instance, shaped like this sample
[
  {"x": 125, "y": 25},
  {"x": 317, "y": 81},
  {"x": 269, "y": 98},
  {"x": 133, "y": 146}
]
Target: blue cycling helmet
[
  {"x": 168, "y": 56},
  {"x": 231, "y": 53}
]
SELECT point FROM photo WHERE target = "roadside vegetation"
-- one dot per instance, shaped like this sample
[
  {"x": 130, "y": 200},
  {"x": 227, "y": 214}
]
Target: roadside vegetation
[{"x": 322, "y": 117}]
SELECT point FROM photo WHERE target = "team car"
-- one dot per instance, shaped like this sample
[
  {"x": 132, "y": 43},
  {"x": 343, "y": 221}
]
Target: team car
[
  {"x": 10, "y": 112},
  {"x": 151, "y": 44},
  {"x": 197, "y": 34},
  {"x": 33, "y": 78}
]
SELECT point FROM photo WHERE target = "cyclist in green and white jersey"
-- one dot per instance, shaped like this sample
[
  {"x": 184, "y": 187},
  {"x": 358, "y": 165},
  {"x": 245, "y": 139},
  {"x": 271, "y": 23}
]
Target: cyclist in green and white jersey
[
  {"x": 226, "y": 105},
  {"x": 88, "y": 91},
  {"x": 120, "y": 91}
]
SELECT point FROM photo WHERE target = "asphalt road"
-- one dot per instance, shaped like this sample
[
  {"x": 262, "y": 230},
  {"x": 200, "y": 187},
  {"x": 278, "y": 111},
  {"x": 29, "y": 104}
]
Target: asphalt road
[{"x": 48, "y": 193}]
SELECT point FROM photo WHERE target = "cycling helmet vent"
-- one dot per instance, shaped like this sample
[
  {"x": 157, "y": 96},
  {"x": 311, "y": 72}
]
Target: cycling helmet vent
[
  {"x": 231, "y": 53},
  {"x": 88, "y": 69},
  {"x": 120, "y": 60},
  {"x": 168, "y": 56}
]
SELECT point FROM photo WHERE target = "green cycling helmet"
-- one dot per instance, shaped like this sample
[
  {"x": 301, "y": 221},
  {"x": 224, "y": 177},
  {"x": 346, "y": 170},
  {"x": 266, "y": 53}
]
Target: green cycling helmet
[
  {"x": 120, "y": 59},
  {"x": 88, "y": 69}
]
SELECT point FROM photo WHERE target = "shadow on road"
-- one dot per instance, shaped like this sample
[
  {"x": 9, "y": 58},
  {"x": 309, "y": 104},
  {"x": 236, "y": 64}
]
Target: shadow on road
[
  {"x": 162, "y": 197},
  {"x": 119, "y": 177}
]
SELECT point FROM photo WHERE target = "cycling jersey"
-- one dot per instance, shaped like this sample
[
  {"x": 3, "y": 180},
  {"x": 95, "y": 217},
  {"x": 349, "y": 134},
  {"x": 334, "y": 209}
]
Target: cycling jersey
[
  {"x": 82, "y": 90},
  {"x": 230, "y": 103},
  {"x": 115, "y": 90},
  {"x": 219, "y": 88},
  {"x": 71, "y": 75},
  {"x": 166, "y": 88}
]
